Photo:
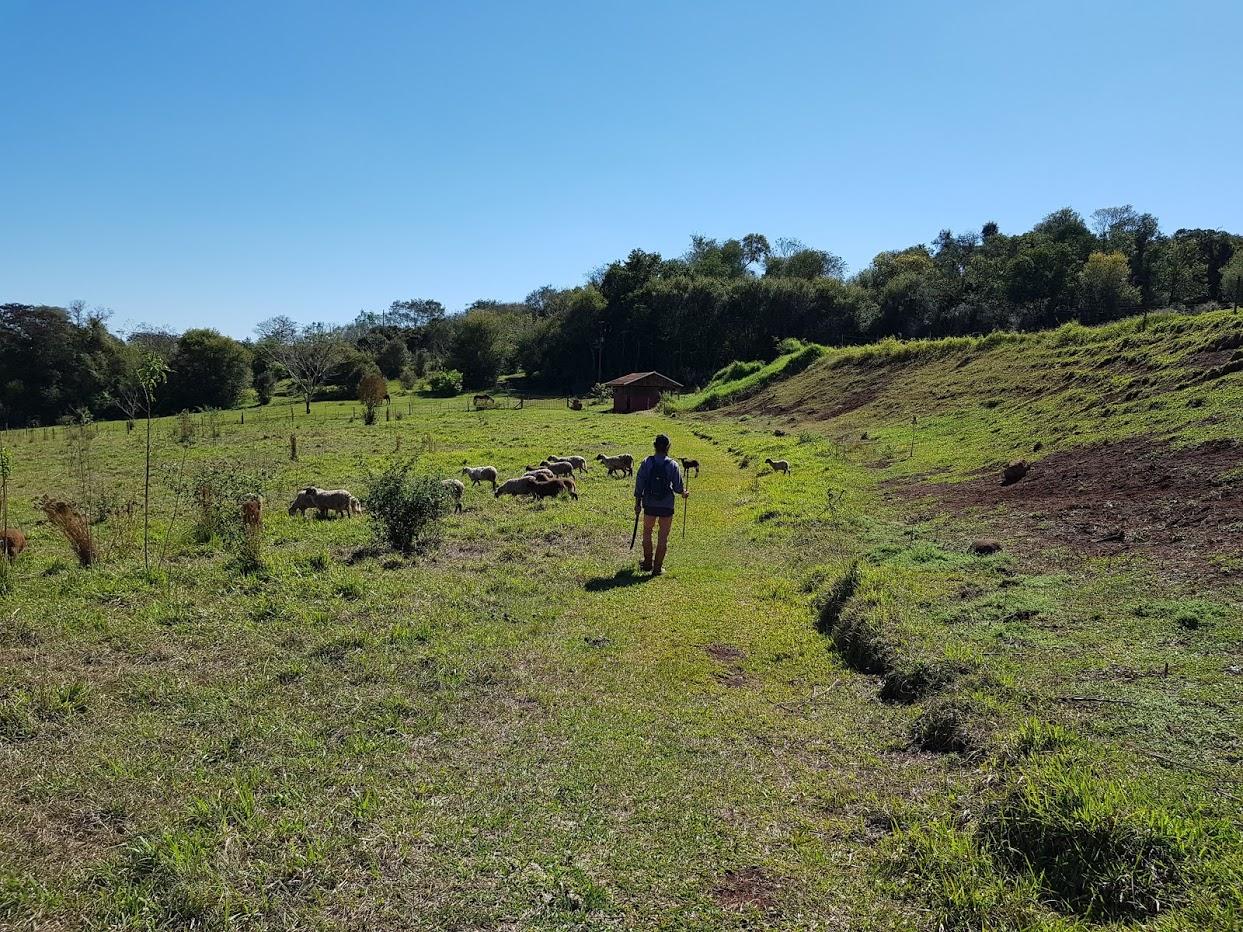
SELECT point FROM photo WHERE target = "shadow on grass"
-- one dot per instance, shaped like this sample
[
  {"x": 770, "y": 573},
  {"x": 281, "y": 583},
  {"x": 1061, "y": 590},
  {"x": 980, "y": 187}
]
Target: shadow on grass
[{"x": 623, "y": 577}]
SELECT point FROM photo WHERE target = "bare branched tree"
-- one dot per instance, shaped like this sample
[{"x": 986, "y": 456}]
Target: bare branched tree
[{"x": 308, "y": 354}]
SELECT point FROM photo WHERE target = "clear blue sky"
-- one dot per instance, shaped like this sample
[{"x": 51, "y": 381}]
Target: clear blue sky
[{"x": 218, "y": 163}]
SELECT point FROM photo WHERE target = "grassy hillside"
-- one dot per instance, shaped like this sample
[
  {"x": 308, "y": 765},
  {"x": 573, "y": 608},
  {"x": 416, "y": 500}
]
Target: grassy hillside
[{"x": 829, "y": 713}]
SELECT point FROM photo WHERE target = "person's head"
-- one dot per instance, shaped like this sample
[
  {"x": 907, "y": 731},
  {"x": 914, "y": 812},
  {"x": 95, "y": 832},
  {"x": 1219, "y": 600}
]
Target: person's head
[{"x": 661, "y": 444}]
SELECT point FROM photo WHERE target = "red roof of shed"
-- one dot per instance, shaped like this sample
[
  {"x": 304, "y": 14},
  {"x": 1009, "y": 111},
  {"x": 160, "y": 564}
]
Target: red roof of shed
[{"x": 643, "y": 378}]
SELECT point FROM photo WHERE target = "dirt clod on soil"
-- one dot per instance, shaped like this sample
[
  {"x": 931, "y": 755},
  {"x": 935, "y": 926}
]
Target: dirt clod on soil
[
  {"x": 1173, "y": 506},
  {"x": 725, "y": 653},
  {"x": 1014, "y": 471},
  {"x": 746, "y": 888},
  {"x": 734, "y": 678}
]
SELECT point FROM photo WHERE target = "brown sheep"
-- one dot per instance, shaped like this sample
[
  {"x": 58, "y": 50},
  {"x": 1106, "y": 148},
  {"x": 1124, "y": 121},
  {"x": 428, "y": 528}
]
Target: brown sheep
[
  {"x": 688, "y": 465},
  {"x": 554, "y": 487},
  {"x": 519, "y": 485},
  {"x": 12, "y": 542}
]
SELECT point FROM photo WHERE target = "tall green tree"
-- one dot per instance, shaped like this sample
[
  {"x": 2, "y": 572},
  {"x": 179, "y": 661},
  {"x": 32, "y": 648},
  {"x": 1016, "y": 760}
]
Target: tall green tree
[
  {"x": 477, "y": 351},
  {"x": 207, "y": 370},
  {"x": 1105, "y": 289},
  {"x": 1232, "y": 280}
]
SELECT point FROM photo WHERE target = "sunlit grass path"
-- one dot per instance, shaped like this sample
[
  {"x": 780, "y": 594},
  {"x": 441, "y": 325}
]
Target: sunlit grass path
[{"x": 506, "y": 731}]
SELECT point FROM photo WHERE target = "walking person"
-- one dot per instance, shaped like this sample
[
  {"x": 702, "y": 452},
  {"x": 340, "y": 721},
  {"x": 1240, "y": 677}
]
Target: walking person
[{"x": 657, "y": 482}]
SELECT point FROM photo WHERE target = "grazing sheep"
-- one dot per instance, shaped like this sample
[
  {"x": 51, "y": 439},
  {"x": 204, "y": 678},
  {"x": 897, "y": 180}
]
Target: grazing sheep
[
  {"x": 554, "y": 487},
  {"x": 622, "y": 463},
  {"x": 13, "y": 542},
  {"x": 338, "y": 500},
  {"x": 456, "y": 490},
  {"x": 519, "y": 485},
  {"x": 577, "y": 462},
  {"x": 483, "y": 399},
  {"x": 779, "y": 465},
  {"x": 480, "y": 474},
  {"x": 304, "y": 500},
  {"x": 688, "y": 465},
  {"x": 539, "y": 473},
  {"x": 558, "y": 467}
]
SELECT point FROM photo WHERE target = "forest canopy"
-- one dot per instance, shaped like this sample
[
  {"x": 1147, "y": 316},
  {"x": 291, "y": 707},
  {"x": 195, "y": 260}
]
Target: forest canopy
[{"x": 687, "y": 316}]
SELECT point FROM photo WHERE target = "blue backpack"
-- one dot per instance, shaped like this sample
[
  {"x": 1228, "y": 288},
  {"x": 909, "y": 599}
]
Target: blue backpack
[{"x": 658, "y": 484}]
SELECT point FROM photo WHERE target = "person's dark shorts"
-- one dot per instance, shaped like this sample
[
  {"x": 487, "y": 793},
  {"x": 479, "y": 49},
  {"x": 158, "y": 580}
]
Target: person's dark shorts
[{"x": 658, "y": 512}]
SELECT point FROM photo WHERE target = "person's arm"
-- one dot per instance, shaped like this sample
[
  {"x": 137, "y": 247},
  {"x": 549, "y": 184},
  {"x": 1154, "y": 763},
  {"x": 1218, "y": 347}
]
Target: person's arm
[
  {"x": 640, "y": 475},
  {"x": 679, "y": 487}
]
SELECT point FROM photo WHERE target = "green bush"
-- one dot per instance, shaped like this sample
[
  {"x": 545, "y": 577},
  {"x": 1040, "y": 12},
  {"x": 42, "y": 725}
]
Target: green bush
[
  {"x": 405, "y": 509},
  {"x": 219, "y": 487},
  {"x": 735, "y": 371},
  {"x": 1095, "y": 844},
  {"x": 445, "y": 383}
]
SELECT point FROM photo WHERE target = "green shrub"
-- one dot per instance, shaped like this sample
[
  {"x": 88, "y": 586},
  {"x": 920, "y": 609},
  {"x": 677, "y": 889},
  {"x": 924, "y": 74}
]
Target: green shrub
[
  {"x": 947, "y": 868},
  {"x": 1093, "y": 843},
  {"x": 736, "y": 370},
  {"x": 445, "y": 383},
  {"x": 220, "y": 487},
  {"x": 405, "y": 509}
]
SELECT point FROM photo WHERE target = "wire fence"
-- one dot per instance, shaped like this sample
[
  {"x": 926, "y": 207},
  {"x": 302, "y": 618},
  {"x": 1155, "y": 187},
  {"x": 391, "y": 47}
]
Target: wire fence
[{"x": 209, "y": 423}]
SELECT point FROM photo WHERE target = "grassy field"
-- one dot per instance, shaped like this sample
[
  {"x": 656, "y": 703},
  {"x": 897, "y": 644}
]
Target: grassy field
[{"x": 828, "y": 713}]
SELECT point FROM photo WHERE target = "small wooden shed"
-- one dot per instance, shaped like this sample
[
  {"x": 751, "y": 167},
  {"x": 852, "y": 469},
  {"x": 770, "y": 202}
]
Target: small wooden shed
[{"x": 640, "y": 391}]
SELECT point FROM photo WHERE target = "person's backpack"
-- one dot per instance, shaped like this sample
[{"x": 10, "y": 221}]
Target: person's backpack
[{"x": 658, "y": 484}]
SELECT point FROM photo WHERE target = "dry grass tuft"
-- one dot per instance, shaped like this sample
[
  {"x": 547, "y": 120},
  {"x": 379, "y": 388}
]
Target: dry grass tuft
[{"x": 71, "y": 523}]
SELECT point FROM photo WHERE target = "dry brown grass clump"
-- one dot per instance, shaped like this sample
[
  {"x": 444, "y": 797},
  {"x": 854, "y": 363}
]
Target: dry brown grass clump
[{"x": 71, "y": 523}]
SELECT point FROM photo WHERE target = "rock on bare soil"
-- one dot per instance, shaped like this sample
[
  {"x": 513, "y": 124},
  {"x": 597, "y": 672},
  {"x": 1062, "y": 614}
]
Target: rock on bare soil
[{"x": 1170, "y": 504}]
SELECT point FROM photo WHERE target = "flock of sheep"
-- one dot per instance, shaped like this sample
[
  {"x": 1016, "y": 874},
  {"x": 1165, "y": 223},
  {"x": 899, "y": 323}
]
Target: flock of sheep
[{"x": 549, "y": 479}]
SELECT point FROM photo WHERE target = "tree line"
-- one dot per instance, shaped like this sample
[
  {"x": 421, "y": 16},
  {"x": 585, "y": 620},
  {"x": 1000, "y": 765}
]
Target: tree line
[{"x": 686, "y": 316}]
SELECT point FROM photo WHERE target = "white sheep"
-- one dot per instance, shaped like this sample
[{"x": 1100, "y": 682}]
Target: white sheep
[
  {"x": 456, "y": 491},
  {"x": 622, "y": 463},
  {"x": 539, "y": 473},
  {"x": 779, "y": 465},
  {"x": 519, "y": 485},
  {"x": 480, "y": 474},
  {"x": 338, "y": 500},
  {"x": 304, "y": 500},
  {"x": 558, "y": 467},
  {"x": 577, "y": 462}
]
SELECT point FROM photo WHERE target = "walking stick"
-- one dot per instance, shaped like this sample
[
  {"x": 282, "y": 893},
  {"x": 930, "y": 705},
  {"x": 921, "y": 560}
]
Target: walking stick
[
  {"x": 686, "y": 503},
  {"x": 635, "y": 533}
]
